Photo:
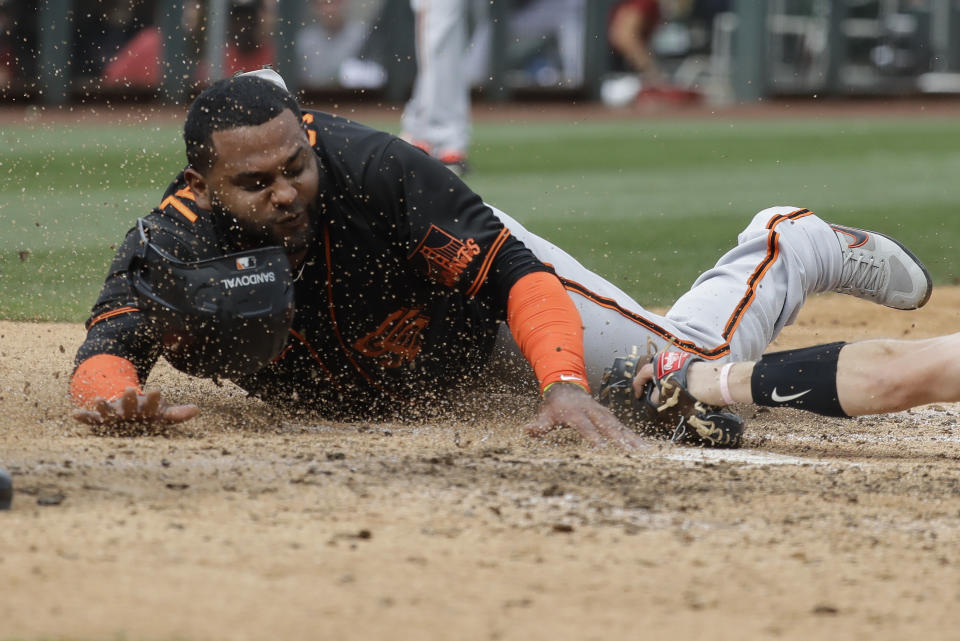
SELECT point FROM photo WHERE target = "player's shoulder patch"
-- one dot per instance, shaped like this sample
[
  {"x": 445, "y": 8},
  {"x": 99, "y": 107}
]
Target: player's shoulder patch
[{"x": 443, "y": 255}]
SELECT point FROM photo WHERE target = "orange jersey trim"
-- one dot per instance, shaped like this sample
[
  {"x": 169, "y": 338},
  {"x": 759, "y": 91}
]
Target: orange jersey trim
[
  {"x": 113, "y": 312},
  {"x": 102, "y": 376},
  {"x": 311, "y": 134},
  {"x": 179, "y": 206},
  {"x": 488, "y": 262},
  {"x": 547, "y": 327}
]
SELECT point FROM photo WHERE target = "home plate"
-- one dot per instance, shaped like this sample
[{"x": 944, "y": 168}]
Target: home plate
[{"x": 749, "y": 457}]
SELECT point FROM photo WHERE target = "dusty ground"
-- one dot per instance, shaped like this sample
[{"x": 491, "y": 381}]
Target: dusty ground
[{"x": 249, "y": 525}]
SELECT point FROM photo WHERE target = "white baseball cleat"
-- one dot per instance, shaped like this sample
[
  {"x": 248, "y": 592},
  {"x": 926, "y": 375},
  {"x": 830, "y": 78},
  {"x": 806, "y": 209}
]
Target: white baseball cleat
[{"x": 880, "y": 269}]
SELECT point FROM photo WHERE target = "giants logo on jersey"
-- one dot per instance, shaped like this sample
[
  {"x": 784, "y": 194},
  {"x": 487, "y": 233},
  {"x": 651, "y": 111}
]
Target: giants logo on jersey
[
  {"x": 446, "y": 255},
  {"x": 397, "y": 340}
]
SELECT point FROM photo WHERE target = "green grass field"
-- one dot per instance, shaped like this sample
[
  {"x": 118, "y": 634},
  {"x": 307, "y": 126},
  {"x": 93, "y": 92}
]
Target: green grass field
[{"x": 648, "y": 204}]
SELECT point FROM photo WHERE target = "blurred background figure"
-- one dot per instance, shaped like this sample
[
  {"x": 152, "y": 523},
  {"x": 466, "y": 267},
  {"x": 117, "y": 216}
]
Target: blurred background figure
[
  {"x": 545, "y": 49},
  {"x": 103, "y": 28},
  {"x": 541, "y": 30},
  {"x": 656, "y": 51},
  {"x": 249, "y": 45},
  {"x": 330, "y": 48},
  {"x": 630, "y": 27},
  {"x": 9, "y": 60},
  {"x": 437, "y": 116},
  {"x": 642, "y": 35},
  {"x": 250, "y": 29},
  {"x": 137, "y": 62},
  {"x": 545, "y": 44}
]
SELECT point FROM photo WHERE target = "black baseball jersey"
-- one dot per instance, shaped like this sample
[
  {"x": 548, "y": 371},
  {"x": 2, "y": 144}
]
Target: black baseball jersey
[{"x": 399, "y": 298}]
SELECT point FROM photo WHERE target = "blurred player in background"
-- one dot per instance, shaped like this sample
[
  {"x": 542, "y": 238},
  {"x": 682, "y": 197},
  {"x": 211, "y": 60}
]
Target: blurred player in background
[
  {"x": 544, "y": 44},
  {"x": 630, "y": 27},
  {"x": 331, "y": 38},
  {"x": 249, "y": 45},
  {"x": 437, "y": 116},
  {"x": 9, "y": 64},
  {"x": 631, "y": 30},
  {"x": 451, "y": 58}
]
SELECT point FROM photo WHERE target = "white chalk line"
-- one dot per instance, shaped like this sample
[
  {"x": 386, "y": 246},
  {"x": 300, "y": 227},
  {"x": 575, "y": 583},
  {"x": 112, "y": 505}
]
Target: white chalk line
[{"x": 742, "y": 456}]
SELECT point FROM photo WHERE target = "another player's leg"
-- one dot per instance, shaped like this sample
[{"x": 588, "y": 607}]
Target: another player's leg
[
  {"x": 784, "y": 255},
  {"x": 852, "y": 379},
  {"x": 437, "y": 116},
  {"x": 758, "y": 288}
]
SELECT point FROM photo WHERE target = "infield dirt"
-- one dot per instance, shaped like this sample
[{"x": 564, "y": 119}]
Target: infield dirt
[{"x": 249, "y": 524}]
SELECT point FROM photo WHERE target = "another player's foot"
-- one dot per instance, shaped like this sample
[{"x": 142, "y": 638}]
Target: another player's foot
[
  {"x": 455, "y": 161},
  {"x": 880, "y": 269},
  {"x": 422, "y": 145}
]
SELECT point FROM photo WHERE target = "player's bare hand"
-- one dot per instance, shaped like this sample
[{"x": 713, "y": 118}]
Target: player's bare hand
[
  {"x": 644, "y": 376},
  {"x": 134, "y": 407},
  {"x": 567, "y": 405}
]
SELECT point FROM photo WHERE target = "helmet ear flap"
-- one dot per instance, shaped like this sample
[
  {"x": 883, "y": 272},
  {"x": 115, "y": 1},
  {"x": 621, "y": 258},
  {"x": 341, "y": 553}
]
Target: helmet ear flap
[{"x": 225, "y": 316}]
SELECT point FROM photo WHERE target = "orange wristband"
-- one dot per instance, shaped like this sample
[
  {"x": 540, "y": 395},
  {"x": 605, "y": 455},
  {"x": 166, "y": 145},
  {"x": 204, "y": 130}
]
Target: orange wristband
[
  {"x": 547, "y": 328},
  {"x": 104, "y": 375}
]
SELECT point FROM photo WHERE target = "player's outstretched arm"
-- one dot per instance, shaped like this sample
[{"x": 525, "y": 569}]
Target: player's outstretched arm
[
  {"x": 106, "y": 391},
  {"x": 569, "y": 405},
  {"x": 547, "y": 327},
  {"x": 135, "y": 407}
]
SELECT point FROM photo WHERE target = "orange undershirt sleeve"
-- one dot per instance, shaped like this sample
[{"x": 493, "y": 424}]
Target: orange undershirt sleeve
[
  {"x": 103, "y": 375},
  {"x": 547, "y": 328}
]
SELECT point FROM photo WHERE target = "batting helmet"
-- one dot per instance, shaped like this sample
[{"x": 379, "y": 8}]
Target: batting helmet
[{"x": 225, "y": 316}]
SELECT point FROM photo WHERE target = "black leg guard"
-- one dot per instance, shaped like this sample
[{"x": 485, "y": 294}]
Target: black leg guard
[{"x": 802, "y": 378}]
